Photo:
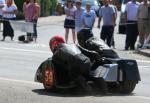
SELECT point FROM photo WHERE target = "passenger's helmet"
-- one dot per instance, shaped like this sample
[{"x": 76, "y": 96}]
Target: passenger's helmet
[
  {"x": 54, "y": 41},
  {"x": 83, "y": 35}
]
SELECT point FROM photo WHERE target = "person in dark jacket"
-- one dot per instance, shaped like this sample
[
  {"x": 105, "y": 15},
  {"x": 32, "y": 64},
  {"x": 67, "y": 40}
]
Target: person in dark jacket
[
  {"x": 9, "y": 13},
  {"x": 87, "y": 40},
  {"x": 70, "y": 63},
  {"x": 74, "y": 61}
]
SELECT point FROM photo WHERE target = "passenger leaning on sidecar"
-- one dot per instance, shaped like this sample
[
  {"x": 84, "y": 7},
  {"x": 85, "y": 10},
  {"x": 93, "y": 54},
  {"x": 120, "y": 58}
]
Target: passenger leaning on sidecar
[
  {"x": 73, "y": 63},
  {"x": 87, "y": 40}
]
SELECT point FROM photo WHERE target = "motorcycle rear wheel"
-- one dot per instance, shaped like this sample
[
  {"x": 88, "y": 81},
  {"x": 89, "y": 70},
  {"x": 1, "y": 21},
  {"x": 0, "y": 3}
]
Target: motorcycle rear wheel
[{"x": 127, "y": 87}]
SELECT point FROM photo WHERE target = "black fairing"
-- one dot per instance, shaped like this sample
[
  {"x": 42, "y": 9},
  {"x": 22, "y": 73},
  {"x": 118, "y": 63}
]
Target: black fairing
[{"x": 130, "y": 70}]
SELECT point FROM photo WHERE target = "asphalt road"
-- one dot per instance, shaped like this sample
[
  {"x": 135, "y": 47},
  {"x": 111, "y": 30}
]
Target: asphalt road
[{"x": 19, "y": 62}]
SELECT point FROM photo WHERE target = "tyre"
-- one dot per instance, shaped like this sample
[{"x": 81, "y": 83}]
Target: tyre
[
  {"x": 49, "y": 79},
  {"x": 113, "y": 87},
  {"x": 127, "y": 87}
]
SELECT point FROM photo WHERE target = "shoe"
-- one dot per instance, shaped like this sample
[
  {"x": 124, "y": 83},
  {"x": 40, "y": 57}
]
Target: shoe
[
  {"x": 11, "y": 38},
  {"x": 2, "y": 40},
  {"x": 126, "y": 48},
  {"x": 139, "y": 46},
  {"x": 114, "y": 47},
  {"x": 132, "y": 48},
  {"x": 26, "y": 41}
]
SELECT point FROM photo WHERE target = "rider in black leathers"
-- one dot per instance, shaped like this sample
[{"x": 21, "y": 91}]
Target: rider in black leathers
[
  {"x": 73, "y": 61},
  {"x": 87, "y": 40}
]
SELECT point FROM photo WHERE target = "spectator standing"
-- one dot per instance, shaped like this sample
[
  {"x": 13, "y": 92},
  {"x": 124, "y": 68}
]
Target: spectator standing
[
  {"x": 25, "y": 12},
  {"x": 132, "y": 27},
  {"x": 59, "y": 9},
  {"x": 32, "y": 13},
  {"x": 9, "y": 13},
  {"x": 70, "y": 20},
  {"x": 32, "y": 16},
  {"x": 2, "y": 3},
  {"x": 88, "y": 17},
  {"x": 143, "y": 22},
  {"x": 78, "y": 19},
  {"x": 113, "y": 39},
  {"x": 108, "y": 14},
  {"x": 25, "y": 7},
  {"x": 114, "y": 6}
]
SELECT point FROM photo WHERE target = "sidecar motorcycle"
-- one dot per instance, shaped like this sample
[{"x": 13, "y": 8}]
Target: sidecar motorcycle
[{"x": 121, "y": 75}]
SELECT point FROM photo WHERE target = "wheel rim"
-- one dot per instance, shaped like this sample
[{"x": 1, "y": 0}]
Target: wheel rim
[{"x": 48, "y": 78}]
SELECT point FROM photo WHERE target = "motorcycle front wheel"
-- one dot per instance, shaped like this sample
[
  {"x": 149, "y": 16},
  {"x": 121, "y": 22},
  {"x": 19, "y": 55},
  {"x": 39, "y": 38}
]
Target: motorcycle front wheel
[{"x": 49, "y": 82}]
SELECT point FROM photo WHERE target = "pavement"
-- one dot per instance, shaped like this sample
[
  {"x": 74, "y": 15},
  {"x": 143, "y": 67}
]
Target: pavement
[
  {"x": 58, "y": 19},
  {"x": 51, "y": 19},
  {"x": 145, "y": 52}
]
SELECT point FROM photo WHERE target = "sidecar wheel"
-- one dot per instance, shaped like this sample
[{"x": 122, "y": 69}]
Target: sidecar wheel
[
  {"x": 127, "y": 87},
  {"x": 48, "y": 81}
]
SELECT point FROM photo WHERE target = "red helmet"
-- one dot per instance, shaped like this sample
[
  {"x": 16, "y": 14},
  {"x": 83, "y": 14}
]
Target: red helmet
[{"x": 54, "y": 41}]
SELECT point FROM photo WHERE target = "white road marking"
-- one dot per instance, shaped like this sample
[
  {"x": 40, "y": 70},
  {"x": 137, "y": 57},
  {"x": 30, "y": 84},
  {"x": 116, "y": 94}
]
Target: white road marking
[
  {"x": 19, "y": 81},
  {"x": 48, "y": 52},
  {"x": 143, "y": 61},
  {"x": 26, "y": 50},
  {"x": 144, "y": 66},
  {"x": 141, "y": 97},
  {"x": 36, "y": 45}
]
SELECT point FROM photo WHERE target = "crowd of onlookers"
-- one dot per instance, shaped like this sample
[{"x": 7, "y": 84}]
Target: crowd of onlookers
[
  {"x": 8, "y": 11},
  {"x": 136, "y": 16}
]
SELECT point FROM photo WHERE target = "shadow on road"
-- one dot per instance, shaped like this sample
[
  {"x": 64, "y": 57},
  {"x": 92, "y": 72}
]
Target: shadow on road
[{"x": 75, "y": 93}]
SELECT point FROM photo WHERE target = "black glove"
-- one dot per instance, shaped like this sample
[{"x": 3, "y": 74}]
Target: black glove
[{"x": 95, "y": 56}]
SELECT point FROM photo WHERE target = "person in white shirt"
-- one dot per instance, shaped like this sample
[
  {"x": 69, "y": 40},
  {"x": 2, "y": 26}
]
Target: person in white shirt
[
  {"x": 143, "y": 22},
  {"x": 107, "y": 13},
  {"x": 115, "y": 8},
  {"x": 2, "y": 3},
  {"x": 9, "y": 13},
  {"x": 88, "y": 17},
  {"x": 78, "y": 18},
  {"x": 69, "y": 22},
  {"x": 132, "y": 27}
]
